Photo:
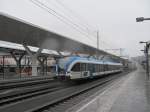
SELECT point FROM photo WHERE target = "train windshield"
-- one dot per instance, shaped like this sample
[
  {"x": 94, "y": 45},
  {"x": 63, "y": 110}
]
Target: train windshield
[
  {"x": 62, "y": 62},
  {"x": 76, "y": 67}
]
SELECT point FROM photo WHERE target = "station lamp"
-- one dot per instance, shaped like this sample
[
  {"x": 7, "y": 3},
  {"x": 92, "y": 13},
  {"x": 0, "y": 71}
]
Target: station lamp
[
  {"x": 141, "y": 42},
  {"x": 147, "y": 55},
  {"x": 142, "y": 50},
  {"x": 141, "y": 19}
]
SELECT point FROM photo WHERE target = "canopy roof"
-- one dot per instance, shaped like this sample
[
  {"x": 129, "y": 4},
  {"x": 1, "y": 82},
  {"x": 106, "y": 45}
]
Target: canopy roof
[{"x": 18, "y": 31}]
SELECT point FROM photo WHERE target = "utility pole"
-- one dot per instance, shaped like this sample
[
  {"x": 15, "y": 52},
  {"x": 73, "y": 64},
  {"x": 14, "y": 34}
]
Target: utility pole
[
  {"x": 97, "y": 44},
  {"x": 147, "y": 59},
  {"x": 146, "y": 49},
  {"x": 141, "y": 19}
]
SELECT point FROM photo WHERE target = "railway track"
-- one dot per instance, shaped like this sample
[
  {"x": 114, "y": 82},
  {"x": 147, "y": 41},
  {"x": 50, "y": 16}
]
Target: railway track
[
  {"x": 52, "y": 97},
  {"x": 4, "y": 85},
  {"x": 24, "y": 79},
  {"x": 18, "y": 90},
  {"x": 25, "y": 93}
]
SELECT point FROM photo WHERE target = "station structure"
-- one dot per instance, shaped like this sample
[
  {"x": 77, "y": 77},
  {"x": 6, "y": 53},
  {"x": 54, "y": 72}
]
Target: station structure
[
  {"x": 25, "y": 34},
  {"x": 33, "y": 46}
]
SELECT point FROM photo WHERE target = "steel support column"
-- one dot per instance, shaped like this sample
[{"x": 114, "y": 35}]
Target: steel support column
[
  {"x": 34, "y": 59},
  {"x": 18, "y": 60},
  {"x": 42, "y": 61}
]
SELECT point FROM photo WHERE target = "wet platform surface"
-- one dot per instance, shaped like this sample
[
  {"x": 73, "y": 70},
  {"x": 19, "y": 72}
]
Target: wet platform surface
[{"x": 129, "y": 94}]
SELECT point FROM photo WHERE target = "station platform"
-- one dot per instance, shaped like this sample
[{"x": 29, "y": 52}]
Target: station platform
[{"x": 131, "y": 93}]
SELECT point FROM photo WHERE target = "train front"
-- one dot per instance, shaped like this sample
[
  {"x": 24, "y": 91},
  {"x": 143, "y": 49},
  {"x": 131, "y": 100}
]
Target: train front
[{"x": 62, "y": 66}]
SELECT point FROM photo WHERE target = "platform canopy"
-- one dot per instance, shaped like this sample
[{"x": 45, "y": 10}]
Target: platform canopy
[
  {"x": 18, "y": 31},
  {"x": 8, "y": 47}
]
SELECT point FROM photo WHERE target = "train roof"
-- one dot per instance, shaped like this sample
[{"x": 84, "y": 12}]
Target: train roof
[{"x": 65, "y": 62}]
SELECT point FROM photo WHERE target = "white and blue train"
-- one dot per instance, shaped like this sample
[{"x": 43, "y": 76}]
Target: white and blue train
[{"x": 76, "y": 67}]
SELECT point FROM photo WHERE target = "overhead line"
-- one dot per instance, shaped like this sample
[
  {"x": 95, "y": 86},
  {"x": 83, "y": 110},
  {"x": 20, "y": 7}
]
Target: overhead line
[
  {"x": 67, "y": 13},
  {"x": 72, "y": 12},
  {"x": 46, "y": 7},
  {"x": 35, "y": 2},
  {"x": 58, "y": 14}
]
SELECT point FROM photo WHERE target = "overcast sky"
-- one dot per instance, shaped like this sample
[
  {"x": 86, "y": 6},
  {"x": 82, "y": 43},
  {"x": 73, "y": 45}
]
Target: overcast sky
[{"x": 115, "y": 20}]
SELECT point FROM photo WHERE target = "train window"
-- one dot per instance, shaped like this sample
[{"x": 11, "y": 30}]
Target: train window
[
  {"x": 83, "y": 67},
  {"x": 115, "y": 67},
  {"x": 110, "y": 67},
  {"x": 93, "y": 67},
  {"x": 100, "y": 68},
  {"x": 96, "y": 68},
  {"x": 118, "y": 67},
  {"x": 106, "y": 68},
  {"x": 86, "y": 65},
  {"x": 76, "y": 67}
]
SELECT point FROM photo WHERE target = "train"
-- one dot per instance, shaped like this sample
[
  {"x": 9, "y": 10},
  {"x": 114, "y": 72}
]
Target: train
[
  {"x": 76, "y": 67},
  {"x": 71, "y": 67}
]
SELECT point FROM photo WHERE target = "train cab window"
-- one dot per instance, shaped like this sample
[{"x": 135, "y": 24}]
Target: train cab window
[{"x": 76, "y": 67}]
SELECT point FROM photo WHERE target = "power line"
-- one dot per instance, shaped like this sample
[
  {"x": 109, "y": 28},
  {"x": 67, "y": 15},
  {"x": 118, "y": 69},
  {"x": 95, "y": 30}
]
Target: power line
[
  {"x": 75, "y": 14},
  {"x": 59, "y": 16},
  {"x": 66, "y": 12},
  {"x": 79, "y": 18},
  {"x": 57, "y": 13}
]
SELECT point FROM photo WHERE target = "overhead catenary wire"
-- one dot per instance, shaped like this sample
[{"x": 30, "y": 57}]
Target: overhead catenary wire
[
  {"x": 61, "y": 8},
  {"x": 59, "y": 16},
  {"x": 85, "y": 24},
  {"x": 83, "y": 21}
]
